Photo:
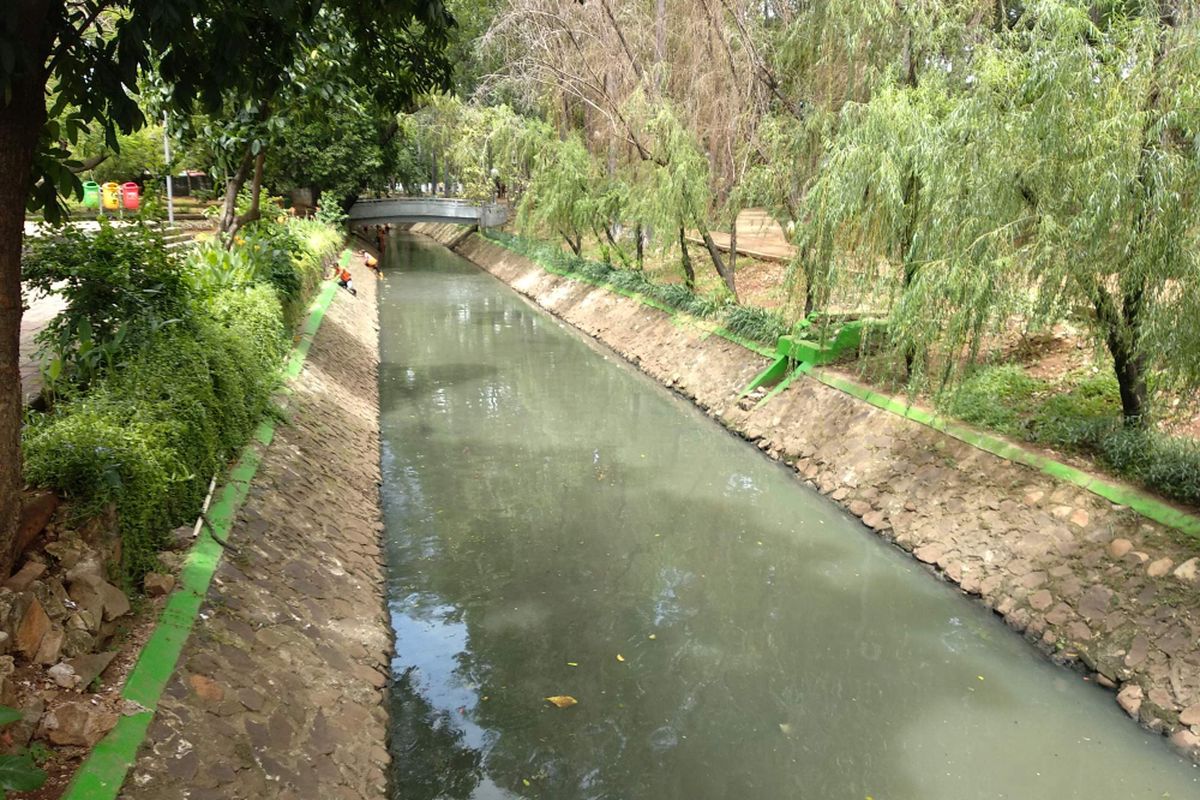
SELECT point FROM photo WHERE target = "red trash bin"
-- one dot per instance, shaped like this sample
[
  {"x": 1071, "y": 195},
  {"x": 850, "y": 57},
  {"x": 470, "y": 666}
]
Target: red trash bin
[{"x": 131, "y": 196}]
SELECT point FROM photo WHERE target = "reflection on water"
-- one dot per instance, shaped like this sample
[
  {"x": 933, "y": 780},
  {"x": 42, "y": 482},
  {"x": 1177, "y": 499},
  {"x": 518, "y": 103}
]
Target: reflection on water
[{"x": 559, "y": 526}]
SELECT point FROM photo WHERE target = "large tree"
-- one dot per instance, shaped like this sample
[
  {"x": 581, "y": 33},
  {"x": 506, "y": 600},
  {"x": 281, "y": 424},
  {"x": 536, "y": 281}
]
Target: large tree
[{"x": 79, "y": 62}]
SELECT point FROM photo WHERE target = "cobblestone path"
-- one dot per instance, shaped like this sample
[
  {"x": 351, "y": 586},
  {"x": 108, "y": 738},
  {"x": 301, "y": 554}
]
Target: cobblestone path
[{"x": 279, "y": 691}]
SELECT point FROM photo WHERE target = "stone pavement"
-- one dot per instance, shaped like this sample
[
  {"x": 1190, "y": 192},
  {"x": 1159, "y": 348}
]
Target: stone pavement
[
  {"x": 42, "y": 309},
  {"x": 279, "y": 690}
]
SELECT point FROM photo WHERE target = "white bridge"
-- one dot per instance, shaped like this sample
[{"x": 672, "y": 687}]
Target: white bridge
[{"x": 429, "y": 209}]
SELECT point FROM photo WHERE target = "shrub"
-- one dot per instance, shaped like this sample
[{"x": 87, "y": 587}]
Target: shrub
[
  {"x": 676, "y": 295},
  {"x": 155, "y": 424},
  {"x": 150, "y": 435},
  {"x": 756, "y": 324},
  {"x": 121, "y": 287}
]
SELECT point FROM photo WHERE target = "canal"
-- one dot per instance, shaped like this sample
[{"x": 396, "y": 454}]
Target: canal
[{"x": 560, "y": 526}]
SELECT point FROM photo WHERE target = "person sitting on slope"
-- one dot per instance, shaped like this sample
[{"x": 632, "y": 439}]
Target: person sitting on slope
[{"x": 346, "y": 280}]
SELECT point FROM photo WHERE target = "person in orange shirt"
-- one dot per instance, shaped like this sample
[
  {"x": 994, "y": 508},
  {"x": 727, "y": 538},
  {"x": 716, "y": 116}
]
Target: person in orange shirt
[{"x": 346, "y": 280}]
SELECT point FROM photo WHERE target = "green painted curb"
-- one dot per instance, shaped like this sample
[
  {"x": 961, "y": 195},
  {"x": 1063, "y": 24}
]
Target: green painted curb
[
  {"x": 1142, "y": 502},
  {"x": 103, "y": 772}
]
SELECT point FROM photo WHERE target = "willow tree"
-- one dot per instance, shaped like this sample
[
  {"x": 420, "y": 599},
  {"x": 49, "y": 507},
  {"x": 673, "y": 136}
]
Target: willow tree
[
  {"x": 1066, "y": 186},
  {"x": 867, "y": 214},
  {"x": 561, "y": 196},
  {"x": 670, "y": 190},
  {"x": 1104, "y": 111}
]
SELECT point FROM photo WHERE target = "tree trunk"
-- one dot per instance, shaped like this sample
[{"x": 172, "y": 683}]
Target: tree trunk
[
  {"x": 575, "y": 243},
  {"x": 1121, "y": 333},
  {"x": 733, "y": 246},
  {"x": 233, "y": 187},
  {"x": 715, "y": 254},
  {"x": 446, "y": 190},
  {"x": 21, "y": 121},
  {"x": 641, "y": 247},
  {"x": 689, "y": 274},
  {"x": 912, "y": 191},
  {"x": 255, "y": 210},
  {"x": 433, "y": 173}
]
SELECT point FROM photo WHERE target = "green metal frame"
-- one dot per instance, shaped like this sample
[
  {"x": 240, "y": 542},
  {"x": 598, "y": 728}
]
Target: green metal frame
[{"x": 793, "y": 350}]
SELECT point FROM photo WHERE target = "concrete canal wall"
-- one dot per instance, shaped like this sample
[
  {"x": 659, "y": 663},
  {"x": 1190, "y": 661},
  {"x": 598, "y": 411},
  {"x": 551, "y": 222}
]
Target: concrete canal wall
[{"x": 1092, "y": 584}]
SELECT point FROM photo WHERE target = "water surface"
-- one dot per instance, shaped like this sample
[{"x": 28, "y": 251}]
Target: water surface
[{"x": 559, "y": 525}]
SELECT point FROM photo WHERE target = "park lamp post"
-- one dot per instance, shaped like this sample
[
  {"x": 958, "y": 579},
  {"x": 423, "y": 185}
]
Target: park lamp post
[{"x": 167, "y": 158}]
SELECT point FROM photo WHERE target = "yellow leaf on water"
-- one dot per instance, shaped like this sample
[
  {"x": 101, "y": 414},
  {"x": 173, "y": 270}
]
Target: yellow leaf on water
[
  {"x": 620, "y": 657},
  {"x": 525, "y": 781},
  {"x": 652, "y": 636},
  {"x": 563, "y": 700},
  {"x": 572, "y": 663}
]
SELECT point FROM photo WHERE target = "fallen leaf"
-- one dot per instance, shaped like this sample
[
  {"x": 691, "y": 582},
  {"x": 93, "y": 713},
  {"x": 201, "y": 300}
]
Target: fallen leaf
[
  {"x": 572, "y": 663},
  {"x": 785, "y": 728},
  {"x": 563, "y": 700},
  {"x": 652, "y": 636},
  {"x": 620, "y": 657},
  {"x": 525, "y": 781}
]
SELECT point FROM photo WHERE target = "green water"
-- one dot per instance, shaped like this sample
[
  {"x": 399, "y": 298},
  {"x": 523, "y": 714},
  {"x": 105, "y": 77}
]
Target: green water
[{"x": 550, "y": 512}]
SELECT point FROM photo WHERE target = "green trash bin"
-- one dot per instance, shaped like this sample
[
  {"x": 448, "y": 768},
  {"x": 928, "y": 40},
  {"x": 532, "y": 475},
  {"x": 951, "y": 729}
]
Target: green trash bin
[{"x": 91, "y": 194}]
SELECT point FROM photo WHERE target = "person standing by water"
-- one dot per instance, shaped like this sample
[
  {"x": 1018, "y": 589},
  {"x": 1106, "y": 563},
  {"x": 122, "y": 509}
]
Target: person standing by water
[{"x": 372, "y": 263}]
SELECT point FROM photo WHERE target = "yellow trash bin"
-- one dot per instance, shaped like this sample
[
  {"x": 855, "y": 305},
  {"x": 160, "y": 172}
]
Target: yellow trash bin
[{"x": 111, "y": 194}]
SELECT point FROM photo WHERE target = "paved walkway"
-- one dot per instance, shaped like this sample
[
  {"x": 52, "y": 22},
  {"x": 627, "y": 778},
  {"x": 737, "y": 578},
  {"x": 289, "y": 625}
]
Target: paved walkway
[
  {"x": 279, "y": 691},
  {"x": 42, "y": 309},
  {"x": 759, "y": 236}
]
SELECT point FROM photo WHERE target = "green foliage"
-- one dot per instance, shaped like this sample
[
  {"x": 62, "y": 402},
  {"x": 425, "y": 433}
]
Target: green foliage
[
  {"x": 562, "y": 196},
  {"x": 122, "y": 287},
  {"x": 331, "y": 215},
  {"x": 149, "y": 435},
  {"x": 757, "y": 324},
  {"x": 156, "y": 424},
  {"x": 1165, "y": 464},
  {"x": 995, "y": 397},
  {"x": 223, "y": 54},
  {"x": 337, "y": 153},
  {"x": 18, "y": 772},
  {"x": 136, "y": 155},
  {"x": 1093, "y": 399},
  {"x": 287, "y": 256},
  {"x": 212, "y": 268}
]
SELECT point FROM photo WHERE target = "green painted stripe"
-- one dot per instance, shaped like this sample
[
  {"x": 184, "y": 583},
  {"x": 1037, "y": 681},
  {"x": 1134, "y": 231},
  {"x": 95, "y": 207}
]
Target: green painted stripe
[
  {"x": 100, "y": 777},
  {"x": 104, "y": 771},
  {"x": 1142, "y": 502}
]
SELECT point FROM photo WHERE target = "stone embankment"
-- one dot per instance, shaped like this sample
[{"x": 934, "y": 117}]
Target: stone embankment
[
  {"x": 1093, "y": 585},
  {"x": 279, "y": 691}
]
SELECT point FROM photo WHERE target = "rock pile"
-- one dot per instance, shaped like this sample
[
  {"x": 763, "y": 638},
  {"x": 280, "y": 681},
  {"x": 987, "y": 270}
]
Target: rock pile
[{"x": 62, "y": 622}]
